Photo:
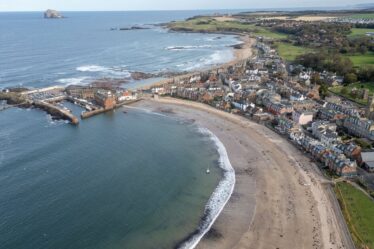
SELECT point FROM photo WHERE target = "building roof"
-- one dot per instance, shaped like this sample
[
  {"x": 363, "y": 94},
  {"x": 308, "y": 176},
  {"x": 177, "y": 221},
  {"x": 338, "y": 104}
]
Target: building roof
[
  {"x": 370, "y": 165},
  {"x": 367, "y": 156}
]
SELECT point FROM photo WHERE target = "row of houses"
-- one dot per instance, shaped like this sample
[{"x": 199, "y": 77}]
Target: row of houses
[
  {"x": 360, "y": 127},
  {"x": 335, "y": 161}
]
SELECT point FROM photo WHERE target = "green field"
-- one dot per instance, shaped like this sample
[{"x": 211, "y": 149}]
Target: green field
[
  {"x": 362, "y": 16},
  {"x": 289, "y": 52},
  {"x": 358, "y": 210},
  {"x": 260, "y": 31},
  {"x": 360, "y": 60},
  {"x": 207, "y": 24},
  {"x": 338, "y": 90},
  {"x": 359, "y": 32}
]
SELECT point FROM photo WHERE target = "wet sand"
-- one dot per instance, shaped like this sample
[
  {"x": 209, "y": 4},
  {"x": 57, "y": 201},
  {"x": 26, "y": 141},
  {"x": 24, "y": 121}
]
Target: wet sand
[{"x": 280, "y": 199}]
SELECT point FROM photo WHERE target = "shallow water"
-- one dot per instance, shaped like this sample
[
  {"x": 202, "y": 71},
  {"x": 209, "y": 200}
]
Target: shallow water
[{"x": 107, "y": 183}]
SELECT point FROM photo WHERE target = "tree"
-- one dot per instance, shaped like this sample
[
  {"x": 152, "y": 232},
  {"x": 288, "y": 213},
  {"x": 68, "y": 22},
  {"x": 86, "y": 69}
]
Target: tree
[
  {"x": 350, "y": 78},
  {"x": 366, "y": 74},
  {"x": 315, "y": 78},
  {"x": 344, "y": 91},
  {"x": 323, "y": 91},
  {"x": 363, "y": 49}
]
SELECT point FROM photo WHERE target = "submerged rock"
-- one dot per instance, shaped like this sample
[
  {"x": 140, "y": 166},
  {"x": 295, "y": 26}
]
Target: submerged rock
[
  {"x": 52, "y": 14},
  {"x": 134, "y": 28}
]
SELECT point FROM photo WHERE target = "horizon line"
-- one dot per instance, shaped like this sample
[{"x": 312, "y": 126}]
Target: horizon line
[{"x": 317, "y": 8}]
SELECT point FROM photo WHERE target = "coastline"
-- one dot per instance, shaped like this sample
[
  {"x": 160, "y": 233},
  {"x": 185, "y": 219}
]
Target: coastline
[
  {"x": 279, "y": 199},
  {"x": 240, "y": 55},
  {"x": 218, "y": 200}
]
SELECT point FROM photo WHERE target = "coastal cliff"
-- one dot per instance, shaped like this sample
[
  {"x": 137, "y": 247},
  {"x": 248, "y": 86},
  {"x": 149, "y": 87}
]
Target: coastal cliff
[{"x": 52, "y": 14}]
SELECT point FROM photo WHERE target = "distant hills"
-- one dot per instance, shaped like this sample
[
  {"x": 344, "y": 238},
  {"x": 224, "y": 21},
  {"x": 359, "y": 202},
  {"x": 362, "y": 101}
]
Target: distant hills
[{"x": 365, "y": 6}]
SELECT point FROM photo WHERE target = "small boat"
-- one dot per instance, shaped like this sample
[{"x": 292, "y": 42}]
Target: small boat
[
  {"x": 208, "y": 171},
  {"x": 124, "y": 112}
]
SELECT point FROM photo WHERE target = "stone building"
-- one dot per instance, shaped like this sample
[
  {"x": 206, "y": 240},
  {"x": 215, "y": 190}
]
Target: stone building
[{"x": 105, "y": 99}]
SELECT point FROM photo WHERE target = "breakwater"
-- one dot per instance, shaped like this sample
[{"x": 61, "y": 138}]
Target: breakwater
[
  {"x": 89, "y": 114},
  {"x": 56, "y": 111}
]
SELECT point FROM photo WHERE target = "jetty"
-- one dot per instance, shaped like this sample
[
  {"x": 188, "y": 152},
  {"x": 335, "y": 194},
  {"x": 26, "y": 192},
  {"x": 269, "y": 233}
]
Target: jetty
[
  {"x": 89, "y": 114},
  {"x": 56, "y": 111}
]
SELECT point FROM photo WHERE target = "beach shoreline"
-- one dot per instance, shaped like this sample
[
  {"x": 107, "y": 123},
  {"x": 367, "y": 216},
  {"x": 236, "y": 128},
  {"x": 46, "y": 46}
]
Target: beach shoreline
[
  {"x": 279, "y": 199},
  {"x": 240, "y": 55}
]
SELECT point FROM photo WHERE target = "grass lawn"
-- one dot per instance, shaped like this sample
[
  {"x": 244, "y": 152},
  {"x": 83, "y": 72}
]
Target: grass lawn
[
  {"x": 359, "y": 32},
  {"x": 260, "y": 31},
  {"x": 289, "y": 52},
  {"x": 360, "y": 60},
  {"x": 358, "y": 211},
  {"x": 363, "y": 16},
  {"x": 338, "y": 90},
  {"x": 207, "y": 24}
]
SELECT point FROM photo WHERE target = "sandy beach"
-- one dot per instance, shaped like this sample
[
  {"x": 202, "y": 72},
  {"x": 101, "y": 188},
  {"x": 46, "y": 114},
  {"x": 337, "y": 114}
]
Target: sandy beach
[
  {"x": 280, "y": 198},
  {"x": 245, "y": 51}
]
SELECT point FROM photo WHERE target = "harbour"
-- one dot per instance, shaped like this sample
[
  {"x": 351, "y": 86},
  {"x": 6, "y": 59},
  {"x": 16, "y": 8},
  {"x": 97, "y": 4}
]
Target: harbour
[{"x": 93, "y": 99}]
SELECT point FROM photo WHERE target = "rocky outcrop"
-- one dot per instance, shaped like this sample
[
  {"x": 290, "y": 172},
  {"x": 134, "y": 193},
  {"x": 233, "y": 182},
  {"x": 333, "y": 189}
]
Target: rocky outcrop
[
  {"x": 13, "y": 98},
  {"x": 52, "y": 14},
  {"x": 134, "y": 28},
  {"x": 141, "y": 75}
]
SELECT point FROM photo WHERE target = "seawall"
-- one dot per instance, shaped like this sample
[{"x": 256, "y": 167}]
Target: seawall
[{"x": 54, "y": 110}]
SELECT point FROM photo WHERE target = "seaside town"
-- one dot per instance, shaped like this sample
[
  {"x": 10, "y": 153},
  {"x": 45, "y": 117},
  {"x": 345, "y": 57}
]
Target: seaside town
[
  {"x": 286, "y": 96},
  {"x": 334, "y": 132}
]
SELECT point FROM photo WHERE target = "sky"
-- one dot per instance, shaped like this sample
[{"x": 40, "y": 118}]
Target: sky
[{"x": 64, "y": 5}]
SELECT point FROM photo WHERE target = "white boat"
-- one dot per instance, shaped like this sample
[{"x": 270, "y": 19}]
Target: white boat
[{"x": 208, "y": 171}]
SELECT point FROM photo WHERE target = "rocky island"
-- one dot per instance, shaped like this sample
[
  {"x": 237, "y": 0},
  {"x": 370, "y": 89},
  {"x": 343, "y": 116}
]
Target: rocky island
[{"x": 52, "y": 14}]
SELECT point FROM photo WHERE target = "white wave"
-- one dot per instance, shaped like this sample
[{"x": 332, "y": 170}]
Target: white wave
[
  {"x": 218, "y": 57},
  {"x": 187, "y": 47},
  {"x": 91, "y": 68},
  {"x": 74, "y": 81},
  {"x": 54, "y": 122},
  {"x": 119, "y": 71},
  {"x": 220, "y": 196}
]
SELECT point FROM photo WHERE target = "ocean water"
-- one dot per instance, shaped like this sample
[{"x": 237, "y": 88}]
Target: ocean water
[
  {"x": 36, "y": 52},
  {"x": 118, "y": 180}
]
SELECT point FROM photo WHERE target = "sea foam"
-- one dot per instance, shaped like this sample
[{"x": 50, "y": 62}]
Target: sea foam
[
  {"x": 91, "y": 68},
  {"x": 217, "y": 57},
  {"x": 74, "y": 81},
  {"x": 119, "y": 71},
  {"x": 218, "y": 199},
  {"x": 189, "y": 47}
]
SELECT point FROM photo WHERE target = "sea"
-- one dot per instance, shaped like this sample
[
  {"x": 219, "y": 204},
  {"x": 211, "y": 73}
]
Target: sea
[{"x": 131, "y": 178}]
